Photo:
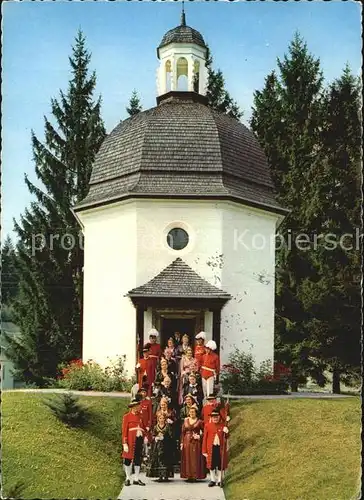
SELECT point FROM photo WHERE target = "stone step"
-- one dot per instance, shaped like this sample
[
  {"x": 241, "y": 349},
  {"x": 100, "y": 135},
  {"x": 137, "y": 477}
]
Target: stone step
[{"x": 175, "y": 489}]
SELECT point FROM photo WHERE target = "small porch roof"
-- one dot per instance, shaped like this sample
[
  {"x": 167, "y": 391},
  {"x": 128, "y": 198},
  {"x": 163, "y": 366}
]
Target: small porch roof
[{"x": 178, "y": 280}]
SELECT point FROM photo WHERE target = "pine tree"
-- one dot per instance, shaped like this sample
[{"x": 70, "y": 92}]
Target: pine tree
[
  {"x": 218, "y": 97},
  {"x": 333, "y": 297},
  {"x": 286, "y": 119},
  {"x": 9, "y": 278},
  {"x": 135, "y": 106},
  {"x": 67, "y": 408},
  {"x": 49, "y": 258}
]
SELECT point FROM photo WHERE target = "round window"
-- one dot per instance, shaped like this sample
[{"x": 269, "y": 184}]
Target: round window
[{"x": 177, "y": 238}]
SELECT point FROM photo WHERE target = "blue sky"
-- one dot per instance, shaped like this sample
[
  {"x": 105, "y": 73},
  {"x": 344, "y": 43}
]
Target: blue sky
[{"x": 245, "y": 39}]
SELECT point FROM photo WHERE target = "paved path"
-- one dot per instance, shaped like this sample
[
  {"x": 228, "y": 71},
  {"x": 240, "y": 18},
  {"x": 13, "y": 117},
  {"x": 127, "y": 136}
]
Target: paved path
[
  {"x": 176, "y": 489},
  {"x": 78, "y": 393},
  {"x": 294, "y": 395}
]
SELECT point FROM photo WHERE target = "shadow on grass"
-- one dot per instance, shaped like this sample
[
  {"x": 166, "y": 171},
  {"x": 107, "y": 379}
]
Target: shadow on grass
[
  {"x": 105, "y": 427},
  {"x": 246, "y": 467},
  {"x": 238, "y": 476}
]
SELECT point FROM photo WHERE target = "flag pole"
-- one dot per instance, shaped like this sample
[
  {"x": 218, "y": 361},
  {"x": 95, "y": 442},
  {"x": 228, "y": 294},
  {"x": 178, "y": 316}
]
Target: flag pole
[{"x": 224, "y": 450}]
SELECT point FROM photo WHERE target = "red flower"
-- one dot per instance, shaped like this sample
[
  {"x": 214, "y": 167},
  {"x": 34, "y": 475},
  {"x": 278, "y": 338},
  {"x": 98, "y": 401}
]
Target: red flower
[{"x": 76, "y": 362}]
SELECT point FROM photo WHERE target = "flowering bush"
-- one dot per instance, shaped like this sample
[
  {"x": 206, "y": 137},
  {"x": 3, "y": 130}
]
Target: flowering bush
[
  {"x": 242, "y": 376},
  {"x": 91, "y": 376}
]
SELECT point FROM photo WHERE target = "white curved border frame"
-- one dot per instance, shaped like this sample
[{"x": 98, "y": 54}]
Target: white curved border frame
[{"x": 178, "y": 224}]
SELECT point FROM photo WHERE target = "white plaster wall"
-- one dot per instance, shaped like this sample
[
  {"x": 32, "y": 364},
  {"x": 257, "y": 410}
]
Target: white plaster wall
[
  {"x": 249, "y": 274},
  {"x": 201, "y": 219},
  {"x": 125, "y": 246},
  {"x": 109, "y": 273}
]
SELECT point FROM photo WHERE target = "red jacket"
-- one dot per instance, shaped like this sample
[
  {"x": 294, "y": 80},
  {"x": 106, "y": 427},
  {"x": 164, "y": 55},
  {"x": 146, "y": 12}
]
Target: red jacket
[
  {"x": 146, "y": 368},
  {"x": 210, "y": 365},
  {"x": 199, "y": 353},
  {"x": 207, "y": 410},
  {"x": 146, "y": 411},
  {"x": 210, "y": 432},
  {"x": 131, "y": 424},
  {"x": 155, "y": 353}
]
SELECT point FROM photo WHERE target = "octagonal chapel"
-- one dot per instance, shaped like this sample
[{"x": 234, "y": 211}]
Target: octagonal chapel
[{"x": 179, "y": 223}]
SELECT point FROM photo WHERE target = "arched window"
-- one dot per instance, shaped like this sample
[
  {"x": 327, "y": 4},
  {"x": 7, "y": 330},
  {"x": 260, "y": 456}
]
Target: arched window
[
  {"x": 168, "y": 76},
  {"x": 196, "y": 76},
  {"x": 182, "y": 74}
]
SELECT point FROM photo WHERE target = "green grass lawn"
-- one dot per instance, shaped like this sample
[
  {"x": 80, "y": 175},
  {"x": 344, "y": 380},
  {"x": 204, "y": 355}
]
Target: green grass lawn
[
  {"x": 302, "y": 449},
  {"x": 55, "y": 461},
  {"x": 280, "y": 449}
]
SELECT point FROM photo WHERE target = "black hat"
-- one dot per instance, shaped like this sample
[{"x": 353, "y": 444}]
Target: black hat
[
  {"x": 142, "y": 389},
  {"x": 211, "y": 397},
  {"x": 215, "y": 413},
  {"x": 134, "y": 402}
]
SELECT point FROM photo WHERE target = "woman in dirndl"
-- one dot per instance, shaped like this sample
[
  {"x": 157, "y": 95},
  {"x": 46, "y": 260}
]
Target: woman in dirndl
[
  {"x": 188, "y": 365},
  {"x": 162, "y": 453},
  {"x": 193, "y": 465}
]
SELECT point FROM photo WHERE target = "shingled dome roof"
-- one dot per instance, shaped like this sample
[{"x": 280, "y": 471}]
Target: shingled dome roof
[
  {"x": 183, "y": 149},
  {"x": 182, "y": 34}
]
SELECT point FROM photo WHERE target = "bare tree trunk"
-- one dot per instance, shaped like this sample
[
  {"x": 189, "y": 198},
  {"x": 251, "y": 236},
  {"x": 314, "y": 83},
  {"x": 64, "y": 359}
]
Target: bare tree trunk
[
  {"x": 335, "y": 381},
  {"x": 294, "y": 385}
]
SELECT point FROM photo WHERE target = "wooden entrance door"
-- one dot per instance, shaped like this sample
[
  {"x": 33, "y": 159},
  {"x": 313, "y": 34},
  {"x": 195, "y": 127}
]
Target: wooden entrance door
[{"x": 182, "y": 325}]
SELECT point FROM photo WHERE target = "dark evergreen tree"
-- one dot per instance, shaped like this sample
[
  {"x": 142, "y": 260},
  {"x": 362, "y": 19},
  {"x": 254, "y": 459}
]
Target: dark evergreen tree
[
  {"x": 134, "y": 106},
  {"x": 333, "y": 296},
  {"x": 68, "y": 409},
  {"x": 286, "y": 118},
  {"x": 218, "y": 97},
  {"x": 9, "y": 277},
  {"x": 49, "y": 253}
]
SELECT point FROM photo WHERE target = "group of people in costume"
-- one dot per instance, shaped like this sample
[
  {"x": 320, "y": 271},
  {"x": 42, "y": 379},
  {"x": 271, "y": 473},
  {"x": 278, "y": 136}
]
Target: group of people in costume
[{"x": 175, "y": 418}]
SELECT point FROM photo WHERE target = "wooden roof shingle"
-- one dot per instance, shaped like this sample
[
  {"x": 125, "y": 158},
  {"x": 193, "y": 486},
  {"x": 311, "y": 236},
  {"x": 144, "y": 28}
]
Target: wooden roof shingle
[
  {"x": 180, "y": 281},
  {"x": 181, "y": 148}
]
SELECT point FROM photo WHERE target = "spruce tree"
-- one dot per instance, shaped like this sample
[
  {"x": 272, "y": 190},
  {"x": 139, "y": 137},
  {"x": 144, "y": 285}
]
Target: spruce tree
[
  {"x": 218, "y": 97},
  {"x": 286, "y": 118},
  {"x": 9, "y": 278},
  {"x": 68, "y": 409},
  {"x": 49, "y": 257},
  {"x": 333, "y": 296},
  {"x": 134, "y": 106}
]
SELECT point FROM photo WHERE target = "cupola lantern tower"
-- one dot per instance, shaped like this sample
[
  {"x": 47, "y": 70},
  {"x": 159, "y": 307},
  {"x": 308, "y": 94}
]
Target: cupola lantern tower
[{"x": 182, "y": 54}]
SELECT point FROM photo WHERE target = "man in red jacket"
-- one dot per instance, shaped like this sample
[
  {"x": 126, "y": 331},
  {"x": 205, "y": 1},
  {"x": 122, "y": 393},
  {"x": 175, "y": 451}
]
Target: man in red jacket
[
  {"x": 155, "y": 349},
  {"x": 214, "y": 447},
  {"x": 133, "y": 437},
  {"x": 199, "y": 348},
  {"x": 146, "y": 409},
  {"x": 210, "y": 368},
  {"x": 145, "y": 369},
  {"x": 211, "y": 405}
]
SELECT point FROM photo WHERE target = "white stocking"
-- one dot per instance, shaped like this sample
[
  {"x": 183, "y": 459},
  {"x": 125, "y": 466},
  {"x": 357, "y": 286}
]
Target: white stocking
[
  {"x": 219, "y": 476},
  {"x": 204, "y": 388},
  {"x": 127, "y": 469},
  {"x": 137, "y": 470},
  {"x": 212, "y": 476},
  {"x": 210, "y": 386}
]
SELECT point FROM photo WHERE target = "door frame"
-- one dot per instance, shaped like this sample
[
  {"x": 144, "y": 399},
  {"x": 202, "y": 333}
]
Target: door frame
[{"x": 174, "y": 313}]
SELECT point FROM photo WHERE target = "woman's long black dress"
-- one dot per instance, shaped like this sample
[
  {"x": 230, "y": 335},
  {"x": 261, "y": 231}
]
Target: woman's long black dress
[{"x": 162, "y": 453}]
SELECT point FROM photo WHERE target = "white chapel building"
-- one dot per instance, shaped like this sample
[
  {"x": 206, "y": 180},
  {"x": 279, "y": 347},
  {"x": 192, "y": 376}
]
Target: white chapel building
[{"x": 179, "y": 223}]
